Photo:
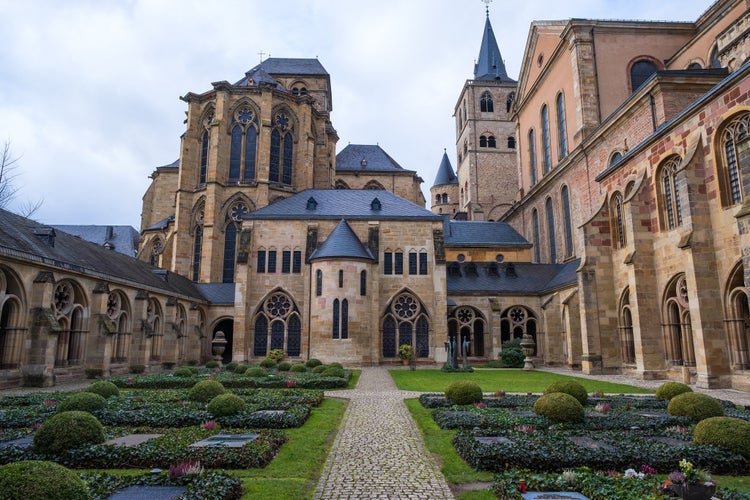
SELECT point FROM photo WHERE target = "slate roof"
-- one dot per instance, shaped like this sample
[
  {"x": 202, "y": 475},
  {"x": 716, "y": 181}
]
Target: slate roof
[
  {"x": 218, "y": 293},
  {"x": 124, "y": 239},
  {"x": 366, "y": 158},
  {"x": 162, "y": 224},
  {"x": 258, "y": 75},
  {"x": 513, "y": 278},
  {"x": 478, "y": 234},
  {"x": 291, "y": 66},
  {"x": 343, "y": 204},
  {"x": 490, "y": 65},
  {"x": 29, "y": 240},
  {"x": 174, "y": 164},
  {"x": 445, "y": 174},
  {"x": 342, "y": 243}
]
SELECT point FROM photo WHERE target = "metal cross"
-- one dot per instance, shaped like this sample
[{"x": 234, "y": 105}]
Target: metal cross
[
  {"x": 487, "y": 3},
  {"x": 261, "y": 53}
]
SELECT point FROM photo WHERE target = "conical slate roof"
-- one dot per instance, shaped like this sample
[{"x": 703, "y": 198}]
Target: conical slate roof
[
  {"x": 490, "y": 65},
  {"x": 445, "y": 174},
  {"x": 342, "y": 243}
]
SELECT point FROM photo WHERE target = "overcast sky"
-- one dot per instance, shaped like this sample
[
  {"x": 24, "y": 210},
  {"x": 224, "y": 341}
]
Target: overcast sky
[{"x": 89, "y": 90}]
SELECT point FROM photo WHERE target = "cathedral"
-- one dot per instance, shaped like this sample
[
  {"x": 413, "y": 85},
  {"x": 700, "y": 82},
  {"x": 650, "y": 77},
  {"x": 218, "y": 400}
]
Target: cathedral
[{"x": 597, "y": 206}]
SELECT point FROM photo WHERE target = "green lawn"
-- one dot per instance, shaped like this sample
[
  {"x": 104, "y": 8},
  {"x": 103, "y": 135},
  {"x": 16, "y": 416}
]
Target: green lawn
[{"x": 508, "y": 380}]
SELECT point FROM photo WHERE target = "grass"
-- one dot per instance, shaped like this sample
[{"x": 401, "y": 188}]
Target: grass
[
  {"x": 294, "y": 471},
  {"x": 508, "y": 380}
]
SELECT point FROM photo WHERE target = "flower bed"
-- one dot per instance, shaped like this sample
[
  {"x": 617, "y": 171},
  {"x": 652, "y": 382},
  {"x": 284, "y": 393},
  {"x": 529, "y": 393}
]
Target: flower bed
[
  {"x": 216, "y": 485},
  {"x": 232, "y": 380}
]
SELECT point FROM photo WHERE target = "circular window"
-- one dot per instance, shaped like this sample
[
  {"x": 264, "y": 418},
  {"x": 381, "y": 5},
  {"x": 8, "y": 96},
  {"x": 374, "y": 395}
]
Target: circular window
[
  {"x": 461, "y": 257},
  {"x": 499, "y": 257}
]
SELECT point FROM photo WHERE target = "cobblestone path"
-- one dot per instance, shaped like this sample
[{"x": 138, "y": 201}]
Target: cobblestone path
[{"x": 379, "y": 452}]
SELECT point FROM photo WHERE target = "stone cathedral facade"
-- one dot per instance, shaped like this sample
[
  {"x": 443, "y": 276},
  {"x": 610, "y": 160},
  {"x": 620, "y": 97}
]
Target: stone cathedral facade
[{"x": 599, "y": 204}]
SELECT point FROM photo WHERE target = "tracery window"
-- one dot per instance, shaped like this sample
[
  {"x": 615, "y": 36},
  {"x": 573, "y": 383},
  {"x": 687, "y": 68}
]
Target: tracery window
[
  {"x": 242, "y": 151},
  {"x": 562, "y": 139},
  {"x": 233, "y": 220},
  {"x": 735, "y": 138},
  {"x": 546, "y": 140},
  {"x": 282, "y": 150},
  {"x": 676, "y": 324},
  {"x": 467, "y": 323},
  {"x": 517, "y": 321},
  {"x": 737, "y": 319},
  {"x": 153, "y": 328},
  {"x": 485, "y": 103},
  {"x": 118, "y": 312},
  {"x": 205, "y": 139},
  {"x": 627, "y": 342},
  {"x": 670, "y": 196},
  {"x": 282, "y": 315},
  {"x": 340, "y": 319},
  {"x": 197, "y": 240},
  {"x": 406, "y": 322},
  {"x": 68, "y": 308}
]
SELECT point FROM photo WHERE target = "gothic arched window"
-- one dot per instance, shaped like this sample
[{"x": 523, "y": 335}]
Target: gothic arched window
[
  {"x": 485, "y": 103},
  {"x": 233, "y": 220},
  {"x": 670, "y": 197},
  {"x": 535, "y": 222},
  {"x": 282, "y": 150},
  {"x": 618, "y": 221},
  {"x": 205, "y": 138},
  {"x": 243, "y": 147},
  {"x": 197, "y": 243},
  {"x": 735, "y": 135}
]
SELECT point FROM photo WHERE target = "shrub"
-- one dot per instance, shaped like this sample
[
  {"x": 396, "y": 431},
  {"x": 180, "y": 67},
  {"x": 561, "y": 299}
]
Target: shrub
[
  {"x": 570, "y": 387},
  {"x": 192, "y": 362},
  {"x": 230, "y": 367},
  {"x": 312, "y": 363},
  {"x": 335, "y": 365},
  {"x": 225, "y": 404},
  {"x": 464, "y": 392},
  {"x": 511, "y": 358},
  {"x": 168, "y": 365},
  {"x": 82, "y": 401},
  {"x": 320, "y": 369},
  {"x": 40, "y": 480},
  {"x": 559, "y": 407},
  {"x": 668, "y": 390},
  {"x": 67, "y": 431},
  {"x": 724, "y": 432},
  {"x": 104, "y": 388},
  {"x": 241, "y": 368},
  {"x": 268, "y": 363},
  {"x": 93, "y": 372},
  {"x": 183, "y": 371},
  {"x": 283, "y": 366},
  {"x": 137, "y": 369},
  {"x": 276, "y": 355},
  {"x": 333, "y": 371},
  {"x": 205, "y": 391},
  {"x": 298, "y": 368},
  {"x": 694, "y": 405},
  {"x": 256, "y": 372},
  {"x": 212, "y": 364}
]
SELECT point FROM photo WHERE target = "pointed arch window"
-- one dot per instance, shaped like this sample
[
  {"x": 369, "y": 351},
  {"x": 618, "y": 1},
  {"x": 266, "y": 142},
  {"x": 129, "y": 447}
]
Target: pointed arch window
[
  {"x": 546, "y": 140},
  {"x": 551, "y": 230},
  {"x": 535, "y": 223},
  {"x": 282, "y": 150},
  {"x": 197, "y": 244},
  {"x": 205, "y": 139},
  {"x": 532, "y": 156},
  {"x": 233, "y": 220},
  {"x": 568, "y": 227},
  {"x": 485, "y": 103},
  {"x": 618, "y": 223},
  {"x": 735, "y": 140},
  {"x": 677, "y": 325},
  {"x": 670, "y": 196},
  {"x": 336, "y": 318},
  {"x": 404, "y": 316},
  {"x": 626, "y": 329},
  {"x": 562, "y": 133},
  {"x": 280, "y": 311},
  {"x": 242, "y": 151}
]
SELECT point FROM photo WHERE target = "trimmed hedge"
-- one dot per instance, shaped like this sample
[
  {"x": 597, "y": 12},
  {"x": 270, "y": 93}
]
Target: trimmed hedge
[
  {"x": 668, "y": 390},
  {"x": 559, "y": 407},
  {"x": 724, "y": 432},
  {"x": 67, "y": 431},
  {"x": 183, "y": 371},
  {"x": 312, "y": 363},
  {"x": 104, "y": 388},
  {"x": 569, "y": 387},
  {"x": 41, "y": 480},
  {"x": 82, "y": 401},
  {"x": 226, "y": 404},
  {"x": 205, "y": 391},
  {"x": 464, "y": 392},
  {"x": 695, "y": 405}
]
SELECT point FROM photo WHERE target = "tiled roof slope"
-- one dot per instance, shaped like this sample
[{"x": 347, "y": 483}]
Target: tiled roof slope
[
  {"x": 343, "y": 204},
  {"x": 291, "y": 66},
  {"x": 490, "y": 65},
  {"x": 217, "y": 293},
  {"x": 476, "y": 233},
  {"x": 445, "y": 174},
  {"x": 342, "y": 243},
  {"x": 514, "y": 278},
  {"x": 26, "y": 239},
  {"x": 124, "y": 239},
  {"x": 366, "y": 158}
]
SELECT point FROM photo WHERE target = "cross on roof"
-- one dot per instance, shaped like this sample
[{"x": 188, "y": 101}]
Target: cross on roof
[
  {"x": 487, "y": 3},
  {"x": 261, "y": 53}
]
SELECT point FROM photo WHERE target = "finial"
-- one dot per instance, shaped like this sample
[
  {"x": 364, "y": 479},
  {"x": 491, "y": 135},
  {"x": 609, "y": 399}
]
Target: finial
[{"x": 487, "y": 3}]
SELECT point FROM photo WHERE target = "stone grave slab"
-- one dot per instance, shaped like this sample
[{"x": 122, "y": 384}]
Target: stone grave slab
[
  {"x": 270, "y": 413},
  {"x": 493, "y": 440},
  {"x": 132, "y": 439},
  {"x": 524, "y": 413},
  {"x": 671, "y": 441},
  {"x": 587, "y": 442},
  {"x": 652, "y": 415},
  {"x": 554, "y": 495},
  {"x": 24, "y": 442},
  {"x": 226, "y": 440},
  {"x": 150, "y": 492}
]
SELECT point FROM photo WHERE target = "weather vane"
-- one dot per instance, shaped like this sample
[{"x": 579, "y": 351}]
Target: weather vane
[{"x": 487, "y": 3}]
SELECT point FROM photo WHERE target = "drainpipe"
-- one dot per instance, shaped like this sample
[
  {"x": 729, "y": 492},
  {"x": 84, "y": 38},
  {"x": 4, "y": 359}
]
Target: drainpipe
[{"x": 596, "y": 77}]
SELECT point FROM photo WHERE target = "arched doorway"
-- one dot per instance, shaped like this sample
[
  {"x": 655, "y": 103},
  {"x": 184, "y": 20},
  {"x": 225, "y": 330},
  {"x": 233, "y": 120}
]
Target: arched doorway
[
  {"x": 737, "y": 320},
  {"x": 277, "y": 326},
  {"x": 227, "y": 326},
  {"x": 406, "y": 322},
  {"x": 469, "y": 324},
  {"x": 516, "y": 321}
]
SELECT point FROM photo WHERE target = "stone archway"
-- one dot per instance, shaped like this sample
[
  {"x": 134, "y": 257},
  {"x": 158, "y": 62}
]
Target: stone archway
[{"x": 226, "y": 326}]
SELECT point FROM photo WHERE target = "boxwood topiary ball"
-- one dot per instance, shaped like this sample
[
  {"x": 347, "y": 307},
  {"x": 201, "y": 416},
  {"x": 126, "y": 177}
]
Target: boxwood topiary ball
[
  {"x": 225, "y": 404},
  {"x": 205, "y": 390},
  {"x": 104, "y": 388},
  {"x": 67, "y": 431},
  {"x": 268, "y": 363},
  {"x": 464, "y": 392},
  {"x": 312, "y": 363},
  {"x": 82, "y": 401},
  {"x": 694, "y": 405},
  {"x": 283, "y": 366},
  {"x": 256, "y": 371},
  {"x": 41, "y": 480},
  {"x": 570, "y": 387},
  {"x": 724, "y": 432},
  {"x": 668, "y": 390},
  {"x": 320, "y": 369},
  {"x": 559, "y": 407},
  {"x": 183, "y": 371},
  {"x": 298, "y": 368},
  {"x": 333, "y": 371}
]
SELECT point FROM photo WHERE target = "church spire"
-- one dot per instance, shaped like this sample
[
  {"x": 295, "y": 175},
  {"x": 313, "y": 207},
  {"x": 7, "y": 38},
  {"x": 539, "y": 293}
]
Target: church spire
[{"x": 490, "y": 65}]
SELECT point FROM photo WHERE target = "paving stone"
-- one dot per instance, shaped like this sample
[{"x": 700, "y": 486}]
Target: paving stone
[
  {"x": 149, "y": 492},
  {"x": 132, "y": 439}
]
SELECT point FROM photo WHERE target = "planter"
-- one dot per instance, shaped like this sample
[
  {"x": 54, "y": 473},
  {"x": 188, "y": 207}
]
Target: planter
[
  {"x": 694, "y": 491},
  {"x": 405, "y": 362}
]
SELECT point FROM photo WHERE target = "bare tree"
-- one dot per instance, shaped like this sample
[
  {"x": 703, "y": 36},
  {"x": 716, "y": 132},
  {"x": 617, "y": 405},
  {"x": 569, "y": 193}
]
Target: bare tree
[{"x": 8, "y": 188}]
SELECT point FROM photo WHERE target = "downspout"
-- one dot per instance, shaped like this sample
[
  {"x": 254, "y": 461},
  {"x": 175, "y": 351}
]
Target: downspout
[
  {"x": 309, "y": 308},
  {"x": 652, "y": 105},
  {"x": 596, "y": 77}
]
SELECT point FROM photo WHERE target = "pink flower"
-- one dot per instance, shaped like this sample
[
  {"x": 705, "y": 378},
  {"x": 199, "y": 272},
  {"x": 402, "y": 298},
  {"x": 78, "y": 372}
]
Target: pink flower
[
  {"x": 500, "y": 393},
  {"x": 479, "y": 405},
  {"x": 209, "y": 425},
  {"x": 130, "y": 380},
  {"x": 526, "y": 428},
  {"x": 648, "y": 470},
  {"x": 36, "y": 426},
  {"x": 290, "y": 383},
  {"x": 50, "y": 402}
]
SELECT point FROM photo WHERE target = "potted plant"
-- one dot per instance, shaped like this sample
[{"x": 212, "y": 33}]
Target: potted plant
[
  {"x": 405, "y": 352},
  {"x": 690, "y": 483}
]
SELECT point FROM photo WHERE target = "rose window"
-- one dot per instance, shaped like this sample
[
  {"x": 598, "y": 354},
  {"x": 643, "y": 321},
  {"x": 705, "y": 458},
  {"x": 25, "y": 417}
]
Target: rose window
[
  {"x": 282, "y": 121},
  {"x": 517, "y": 315},
  {"x": 465, "y": 315},
  {"x": 237, "y": 211},
  {"x": 405, "y": 307},
  {"x": 244, "y": 116},
  {"x": 682, "y": 291},
  {"x": 278, "y": 305},
  {"x": 114, "y": 305},
  {"x": 199, "y": 216},
  {"x": 208, "y": 120},
  {"x": 63, "y": 297},
  {"x": 157, "y": 246}
]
